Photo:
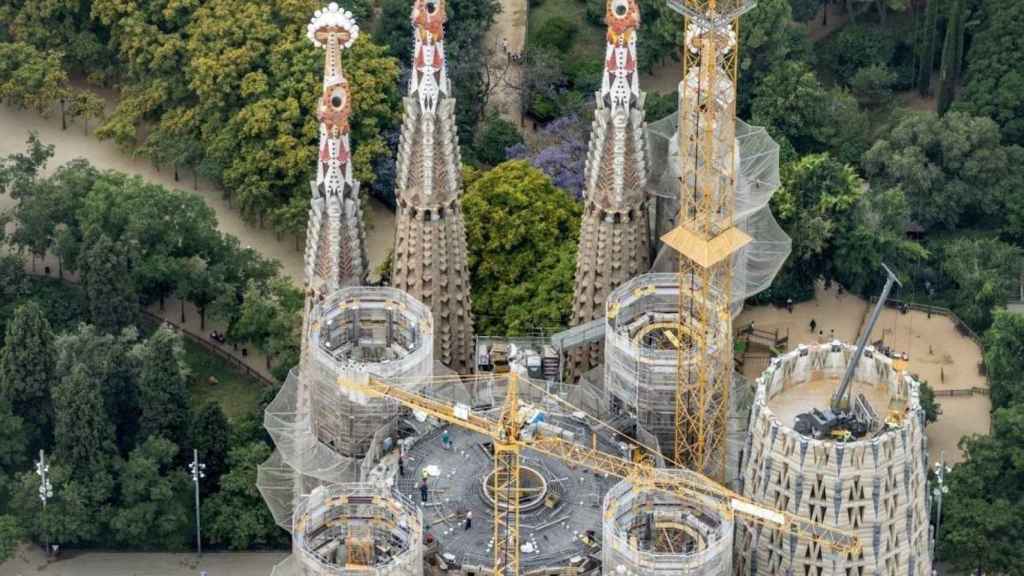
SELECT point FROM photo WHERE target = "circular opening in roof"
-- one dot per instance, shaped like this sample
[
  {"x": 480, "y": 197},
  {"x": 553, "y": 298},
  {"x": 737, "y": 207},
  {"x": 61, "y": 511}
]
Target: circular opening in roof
[
  {"x": 620, "y": 8},
  {"x": 431, "y": 7},
  {"x": 336, "y": 101},
  {"x": 532, "y": 489}
]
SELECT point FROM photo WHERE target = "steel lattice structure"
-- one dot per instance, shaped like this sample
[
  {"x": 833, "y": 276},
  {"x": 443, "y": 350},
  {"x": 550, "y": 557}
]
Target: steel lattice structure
[{"x": 706, "y": 236}]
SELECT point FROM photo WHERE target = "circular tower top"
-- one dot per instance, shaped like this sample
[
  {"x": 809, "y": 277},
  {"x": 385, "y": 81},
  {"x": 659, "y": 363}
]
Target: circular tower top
[{"x": 332, "y": 20}]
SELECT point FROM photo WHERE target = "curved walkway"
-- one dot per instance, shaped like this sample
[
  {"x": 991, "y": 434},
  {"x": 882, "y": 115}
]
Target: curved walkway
[{"x": 74, "y": 143}]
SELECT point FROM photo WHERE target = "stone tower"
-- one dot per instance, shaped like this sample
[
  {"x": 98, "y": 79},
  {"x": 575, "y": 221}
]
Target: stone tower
[
  {"x": 335, "y": 236},
  {"x": 430, "y": 241},
  {"x": 615, "y": 234}
]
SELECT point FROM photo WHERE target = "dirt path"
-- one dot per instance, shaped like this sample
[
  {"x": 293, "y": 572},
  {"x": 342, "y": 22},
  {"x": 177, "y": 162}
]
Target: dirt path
[
  {"x": 507, "y": 36},
  {"x": 30, "y": 562},
  {"x": 73, "y": 143},
  {"x": 938, "y": 354}
]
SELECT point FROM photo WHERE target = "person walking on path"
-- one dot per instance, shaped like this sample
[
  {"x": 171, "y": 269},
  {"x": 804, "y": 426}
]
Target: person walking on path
[
  {"x": 401, "y": 466},
  {"x": 813, "y": 325},
  {"x": 469, "y": 521}
]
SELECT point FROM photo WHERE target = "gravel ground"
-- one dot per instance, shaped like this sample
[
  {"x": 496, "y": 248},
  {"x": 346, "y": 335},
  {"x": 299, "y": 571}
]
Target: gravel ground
[{"x": 30, "y": 562}]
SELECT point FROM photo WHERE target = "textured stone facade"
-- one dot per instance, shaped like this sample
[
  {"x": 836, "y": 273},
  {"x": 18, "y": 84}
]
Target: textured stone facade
[
  {"x": 874, "y": 487},
  {"x": 614, "y": 241},
  {"x": 335, "y": 236},
  {"x": 430, "y": 258}
]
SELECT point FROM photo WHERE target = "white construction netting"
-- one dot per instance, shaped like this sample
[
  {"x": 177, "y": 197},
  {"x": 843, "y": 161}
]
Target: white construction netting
[{"x": 754, "y": 266}]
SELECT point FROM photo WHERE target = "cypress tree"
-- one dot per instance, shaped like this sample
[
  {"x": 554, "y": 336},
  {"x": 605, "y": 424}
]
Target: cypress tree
[
  {"x": 927, "y": 47},
  {"x": 27, "y": 367},
  {"x": 951, "y": 50}
]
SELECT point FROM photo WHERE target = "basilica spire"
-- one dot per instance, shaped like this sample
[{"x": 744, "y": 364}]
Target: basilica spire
[
  {"x": 336, "y": 239},
  {"x": 614, "y": 241},
  {"x": 430, "y": 260}
]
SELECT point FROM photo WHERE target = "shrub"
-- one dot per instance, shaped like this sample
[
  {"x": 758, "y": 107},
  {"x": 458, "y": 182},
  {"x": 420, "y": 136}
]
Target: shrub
[
  {"x": 857, "y": 46},
  {"x": 557, "y": 33},
  {"x": 873, "y": 85}
]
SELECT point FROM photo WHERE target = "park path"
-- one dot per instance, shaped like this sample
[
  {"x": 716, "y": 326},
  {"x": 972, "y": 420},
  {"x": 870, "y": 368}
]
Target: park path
[
  {"x": 507, "y": 36},
  {"x": 75, "y": 143},
  {"x": 29, "y": 561}
]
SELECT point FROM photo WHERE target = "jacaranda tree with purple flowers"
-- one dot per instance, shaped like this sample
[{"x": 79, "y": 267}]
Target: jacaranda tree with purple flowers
[{"x": 560, "y": 151}]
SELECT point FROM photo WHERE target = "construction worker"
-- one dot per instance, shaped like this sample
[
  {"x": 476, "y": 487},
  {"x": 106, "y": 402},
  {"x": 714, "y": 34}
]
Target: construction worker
[
  {"x": 401, "y": 466},
  {"x": 423, "y": 490},
  {"x": 446, "y": 442},
  {"x": 469, "y": 521}
]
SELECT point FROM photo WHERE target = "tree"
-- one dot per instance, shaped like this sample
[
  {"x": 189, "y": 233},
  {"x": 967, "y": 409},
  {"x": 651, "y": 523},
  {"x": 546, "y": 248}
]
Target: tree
[
  {"x": 768, "y": 37},
  {"x": 270, "y": 318},
  {"x": 793, "y": 105},
  {"x": 1004, "y": 359},
  {"x": 872, "y": 85},
  {"x": 163, "y": 387},
  {"x": 236, "y": 516},
  {"x": 994, "y": 83},
  {"x": 805, "y": 10},
  {"x": 106, "y": 358},
  {"x": 522, "y": 233},
  {"x": 18, "y": 172},
  {"x": 75, "y": 514},
  {"x": 926, "y": 47},
  {"x": 211, "y": 434},
  {"x": 10, "y": 535},
  {"x": 155, "y": 511},
  {"x": 952, "y": 54},
  {"x": 931, "y": 408},
  {"x": 953, "y": 169},
  {"x": 495, "y": 137},
  {"x": 27, "y": 363},
  {"x": 816, "y": 205},
  {"x": 560, "y": 151},
  {"x": 83, "y": 433},
  {"x": 981, "y": 525},
  {"x": 556, "y": 32},
  {"x": 86, "y": 104},
  {"x": 113, "y": 303},
  {"x": 12, "y": 439},
  {"x": 984, "y": 271},
  {"x": 30, "y": 78},
  {"x": 858, "y": 46}
]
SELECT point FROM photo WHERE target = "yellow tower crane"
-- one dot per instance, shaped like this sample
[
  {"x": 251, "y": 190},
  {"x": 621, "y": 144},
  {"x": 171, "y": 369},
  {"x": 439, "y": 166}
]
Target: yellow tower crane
[
  {"x": 507, "y": 434},
  {"x": 705, "y": 236}
]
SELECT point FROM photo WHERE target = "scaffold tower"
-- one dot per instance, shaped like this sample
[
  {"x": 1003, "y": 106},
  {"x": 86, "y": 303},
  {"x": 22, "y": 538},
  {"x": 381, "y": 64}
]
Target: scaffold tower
[
  {"x": 430, "y": 258},
  {"x": 705, "y": 235},
  {"x": 614, "y": 243}
]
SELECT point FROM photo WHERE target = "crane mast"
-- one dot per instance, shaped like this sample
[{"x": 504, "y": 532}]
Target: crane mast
[
  {"x": 509, "y": 442},
  {"x": 705, "y": 235}
]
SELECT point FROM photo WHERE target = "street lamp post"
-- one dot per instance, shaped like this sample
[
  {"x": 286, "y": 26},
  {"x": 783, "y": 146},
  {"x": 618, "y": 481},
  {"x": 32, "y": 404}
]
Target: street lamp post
[
  {"x": 196, "y": 469},
  {"x": 937, "y": 492},
  {"x": 45, "y": 490}
]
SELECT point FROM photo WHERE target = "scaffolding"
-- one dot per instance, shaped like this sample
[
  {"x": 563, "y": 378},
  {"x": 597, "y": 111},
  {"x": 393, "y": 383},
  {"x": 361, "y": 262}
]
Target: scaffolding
[
  {"x": 355, "y": 529},
  {"x": 641, "y": 353},
  {"x": 322, "y": 435},
  {"x": 757, "y": 179},
  {"x": 654, "y": 534}
]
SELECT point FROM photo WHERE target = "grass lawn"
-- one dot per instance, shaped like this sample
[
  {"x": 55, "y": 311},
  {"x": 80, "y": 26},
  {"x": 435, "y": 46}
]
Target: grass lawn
[
  {"x": 590, "y": 40},
  {"x": 236, "y": 393}
]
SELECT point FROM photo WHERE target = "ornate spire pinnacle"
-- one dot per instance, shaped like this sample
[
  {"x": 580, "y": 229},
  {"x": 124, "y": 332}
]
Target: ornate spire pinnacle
[
  {"x": 335, "y": 244},
  {"x": 620, "y": 87},
  {"x": 430, "y": 241},
  {"x": 429, "y": 79},
  {"x": 614, "y": 237}
]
